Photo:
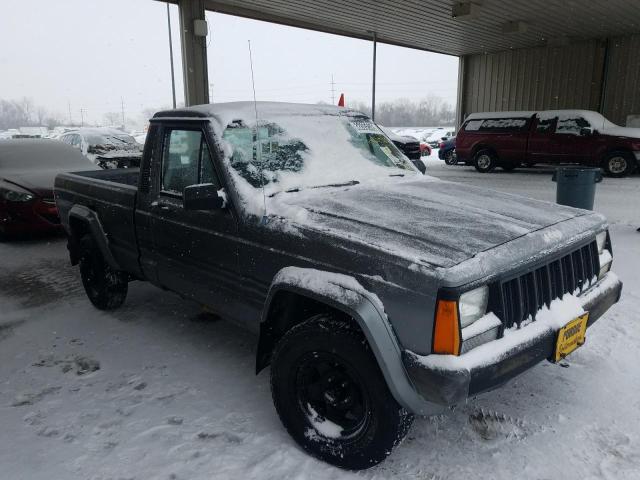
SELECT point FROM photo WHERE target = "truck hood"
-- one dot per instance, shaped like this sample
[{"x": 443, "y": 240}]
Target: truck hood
[{"x": 429, "y": 222}]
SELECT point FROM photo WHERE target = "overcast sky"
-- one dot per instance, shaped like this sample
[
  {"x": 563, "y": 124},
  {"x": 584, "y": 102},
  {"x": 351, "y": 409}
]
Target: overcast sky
[{"x": 90, "y": 54}]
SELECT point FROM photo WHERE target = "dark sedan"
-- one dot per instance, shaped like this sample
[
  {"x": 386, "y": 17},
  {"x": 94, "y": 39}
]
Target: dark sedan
[
  {"x": 447, "y": 151},
  {"x": 27, "y": 171}
]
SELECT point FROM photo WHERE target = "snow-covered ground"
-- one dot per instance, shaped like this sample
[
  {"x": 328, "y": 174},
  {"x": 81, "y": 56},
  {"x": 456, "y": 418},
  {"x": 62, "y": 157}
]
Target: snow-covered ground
[{"x": 162, "y": 390}]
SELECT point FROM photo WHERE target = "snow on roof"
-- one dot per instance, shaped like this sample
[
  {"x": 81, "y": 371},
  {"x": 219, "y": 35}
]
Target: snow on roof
[
  {"x": 514, "y": 114},
  {"x": 247, "y": 110}
]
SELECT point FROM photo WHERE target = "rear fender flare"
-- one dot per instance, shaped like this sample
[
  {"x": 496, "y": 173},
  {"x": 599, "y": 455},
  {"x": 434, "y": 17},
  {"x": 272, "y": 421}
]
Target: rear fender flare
[
  {"x": 345, "y": 294},
  {"x": 92, "y": 222}
]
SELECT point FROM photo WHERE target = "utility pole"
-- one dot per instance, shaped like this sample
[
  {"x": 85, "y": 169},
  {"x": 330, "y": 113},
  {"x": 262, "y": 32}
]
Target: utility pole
[
  {"x": 122, "y": 110},
  {"x": 82, "y": 117},
  {"x": 333, "y": 91},
  {"x": 173, "y": 79},
  {"x": 69, "y": 105}
]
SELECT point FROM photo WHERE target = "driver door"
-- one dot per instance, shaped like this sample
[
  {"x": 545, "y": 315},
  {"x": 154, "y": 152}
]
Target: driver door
[{"x": 196, "y": 251}]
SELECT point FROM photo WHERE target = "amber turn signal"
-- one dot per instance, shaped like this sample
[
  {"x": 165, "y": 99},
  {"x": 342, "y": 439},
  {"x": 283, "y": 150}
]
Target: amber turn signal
[{"x": 446, "y": 332}]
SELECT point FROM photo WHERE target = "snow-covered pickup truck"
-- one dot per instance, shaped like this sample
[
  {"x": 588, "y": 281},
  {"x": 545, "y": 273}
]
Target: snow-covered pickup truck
[{"x": 377, "y": 293}]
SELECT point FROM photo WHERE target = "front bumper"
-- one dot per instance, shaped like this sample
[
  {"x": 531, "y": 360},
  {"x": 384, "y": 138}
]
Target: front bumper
[{"x": 463, "y": 376}]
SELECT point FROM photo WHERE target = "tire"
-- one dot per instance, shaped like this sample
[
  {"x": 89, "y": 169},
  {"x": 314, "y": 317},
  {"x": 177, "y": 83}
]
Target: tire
[
  {"x": 510, "y": 167},
  {"x": 105, "y": 287},
  {"x": 485, "y": 161},
  {"x": 331, "y": 396},
  {"x": 450, "y": 158},
  {"x": 618, "y": 164}
]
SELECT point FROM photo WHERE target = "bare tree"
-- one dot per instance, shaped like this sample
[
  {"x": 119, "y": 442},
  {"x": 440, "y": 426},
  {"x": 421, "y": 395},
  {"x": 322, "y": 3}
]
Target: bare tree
[{"x": 402, "y": 112}]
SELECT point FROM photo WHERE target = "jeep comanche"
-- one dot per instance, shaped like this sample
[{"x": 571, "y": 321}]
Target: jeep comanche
[{"x": 377, "y": 293}]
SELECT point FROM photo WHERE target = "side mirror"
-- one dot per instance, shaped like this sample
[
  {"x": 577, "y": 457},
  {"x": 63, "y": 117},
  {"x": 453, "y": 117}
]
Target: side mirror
[
  {"x": 586, "y": 131},
  {"x": 202, "y": 197}
]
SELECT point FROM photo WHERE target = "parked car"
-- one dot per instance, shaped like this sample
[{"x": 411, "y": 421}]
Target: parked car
[
  {"x": 509, "y": 139},
  {"x": 27, "y": 171},
  {"x": 409, "y": 146},
  {"x": 447, "y": 151},
  {"x": 314, "y": 231},
  {"x": 106, "y": 147},
  {"x": 434, "y": 139},
  {"x": 425, "y": 149}
]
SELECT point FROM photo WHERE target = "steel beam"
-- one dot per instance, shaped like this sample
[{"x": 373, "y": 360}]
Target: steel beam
[{"x": 194, "y": 53}]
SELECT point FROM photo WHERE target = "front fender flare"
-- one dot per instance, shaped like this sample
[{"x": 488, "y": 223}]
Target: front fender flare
[{"x": 344, "y": 293}]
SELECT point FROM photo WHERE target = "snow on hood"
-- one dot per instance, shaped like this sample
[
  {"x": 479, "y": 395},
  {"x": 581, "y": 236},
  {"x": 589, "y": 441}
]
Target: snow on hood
[{"x": 424, "y": 221}]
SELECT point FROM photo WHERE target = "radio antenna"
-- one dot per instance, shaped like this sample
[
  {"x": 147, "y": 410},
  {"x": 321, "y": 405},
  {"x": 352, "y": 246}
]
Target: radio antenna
[{"x": 258, "y": 144}]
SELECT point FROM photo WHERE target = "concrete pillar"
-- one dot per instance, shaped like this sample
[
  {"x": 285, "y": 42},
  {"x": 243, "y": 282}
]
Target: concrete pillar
[
  {"x": 194, "y": 53},
  {"x": 461, "y": 92}
]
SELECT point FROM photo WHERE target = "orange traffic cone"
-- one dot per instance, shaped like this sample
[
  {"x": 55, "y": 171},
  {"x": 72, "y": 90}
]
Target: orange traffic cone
[{"x": 341, "y": 101}]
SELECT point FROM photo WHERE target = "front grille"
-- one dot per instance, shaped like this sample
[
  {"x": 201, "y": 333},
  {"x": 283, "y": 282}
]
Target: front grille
[{"x": 518, "y": 299}]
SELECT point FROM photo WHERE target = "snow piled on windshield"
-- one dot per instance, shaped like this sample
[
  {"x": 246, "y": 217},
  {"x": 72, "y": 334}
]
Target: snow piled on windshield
[{"x": 330, "y": 157}]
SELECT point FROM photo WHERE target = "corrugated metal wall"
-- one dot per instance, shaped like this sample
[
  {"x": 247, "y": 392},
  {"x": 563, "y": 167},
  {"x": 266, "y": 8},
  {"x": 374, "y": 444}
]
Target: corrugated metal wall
[
  {"x": 622, "y": 86},
  {"x": 546, "y": 78}
]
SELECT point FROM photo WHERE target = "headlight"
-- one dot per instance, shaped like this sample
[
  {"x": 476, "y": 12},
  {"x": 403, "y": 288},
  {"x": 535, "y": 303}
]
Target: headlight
[
  {"x": 601, "y": 239},
  {"x": 13, "y": 193},
  {"x": 473, "y": 305}
]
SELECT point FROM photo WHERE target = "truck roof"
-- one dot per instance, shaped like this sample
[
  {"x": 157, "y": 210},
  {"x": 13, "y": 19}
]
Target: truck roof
[{"x": 247, "y": 110}]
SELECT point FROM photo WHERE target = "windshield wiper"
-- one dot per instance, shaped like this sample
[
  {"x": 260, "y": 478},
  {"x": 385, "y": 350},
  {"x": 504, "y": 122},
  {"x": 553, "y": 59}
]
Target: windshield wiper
[{"x": 297, "y": 189}]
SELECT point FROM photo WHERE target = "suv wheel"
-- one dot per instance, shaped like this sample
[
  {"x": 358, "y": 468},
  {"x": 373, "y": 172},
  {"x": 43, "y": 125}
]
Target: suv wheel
[
  {"x": 331, "y": 396},
  {"x": 105, "y": 287},
  {"x": 450, "y": 158},
  {"x": 485, "y": 161},
  {"x": 619, "y": 164}
]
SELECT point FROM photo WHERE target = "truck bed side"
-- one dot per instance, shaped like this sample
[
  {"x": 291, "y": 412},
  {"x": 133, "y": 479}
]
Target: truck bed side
[{"x": 111, "y": 194}]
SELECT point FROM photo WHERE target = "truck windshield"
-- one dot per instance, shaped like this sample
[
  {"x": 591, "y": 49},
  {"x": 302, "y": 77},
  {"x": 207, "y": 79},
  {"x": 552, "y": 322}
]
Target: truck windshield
[{"x": 295, "y": 152}]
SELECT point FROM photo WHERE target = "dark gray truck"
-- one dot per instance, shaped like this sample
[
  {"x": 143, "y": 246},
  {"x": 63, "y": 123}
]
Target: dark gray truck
[{"x": 377, "y": 293}]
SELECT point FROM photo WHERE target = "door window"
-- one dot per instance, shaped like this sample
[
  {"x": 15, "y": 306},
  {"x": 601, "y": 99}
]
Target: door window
[
  {"x": 185, "y": 161},
  {"x": 545, "y": 125},
  {"x": 571, "y": 125}
]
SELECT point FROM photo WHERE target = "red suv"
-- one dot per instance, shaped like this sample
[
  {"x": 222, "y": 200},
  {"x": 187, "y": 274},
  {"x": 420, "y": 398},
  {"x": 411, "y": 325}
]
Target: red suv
[{"x": 512, "y": 139}]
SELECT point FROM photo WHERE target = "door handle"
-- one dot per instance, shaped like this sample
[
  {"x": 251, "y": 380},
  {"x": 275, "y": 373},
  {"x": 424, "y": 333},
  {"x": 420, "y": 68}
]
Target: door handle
[{"x": 165, "y": 207}]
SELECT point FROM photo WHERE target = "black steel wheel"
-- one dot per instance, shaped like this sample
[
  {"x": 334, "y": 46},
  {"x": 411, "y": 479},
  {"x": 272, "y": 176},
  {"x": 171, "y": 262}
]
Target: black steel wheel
[
  {"x": 331, "y": 396},
  {"x": 106, "y": 288}
]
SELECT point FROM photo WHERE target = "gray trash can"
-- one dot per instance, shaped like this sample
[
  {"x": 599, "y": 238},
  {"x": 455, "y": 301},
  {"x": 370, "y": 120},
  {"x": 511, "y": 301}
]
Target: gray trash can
[{"x": 576, "y": 186}]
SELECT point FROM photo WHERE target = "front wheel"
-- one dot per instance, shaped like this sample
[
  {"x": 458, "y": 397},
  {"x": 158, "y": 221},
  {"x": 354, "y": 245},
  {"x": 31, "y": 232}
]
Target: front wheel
[
  {"x": 105, "y": 287},
  {"x": 485, "y": 161},
  {"x": 331, "y": 396},
  {"x": 619, "y": 164}
]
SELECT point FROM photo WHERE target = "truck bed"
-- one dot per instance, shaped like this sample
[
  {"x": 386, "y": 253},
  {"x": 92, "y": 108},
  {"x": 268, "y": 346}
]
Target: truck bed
[{"x": 112, "y": 195}]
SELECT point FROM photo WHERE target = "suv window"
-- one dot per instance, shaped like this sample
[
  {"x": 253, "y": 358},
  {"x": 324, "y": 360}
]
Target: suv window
[
  {"x": 545, "y": 125},
  {"x": 571, "y": 124},
  {"x": 497, "y": 125},
  {"x": 186, "y": 160}
]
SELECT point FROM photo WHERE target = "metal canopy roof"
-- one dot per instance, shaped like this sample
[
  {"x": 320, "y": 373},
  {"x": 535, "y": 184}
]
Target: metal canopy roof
[{"x": 428, "y": 24}]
